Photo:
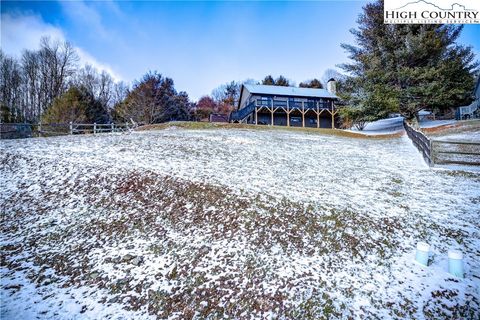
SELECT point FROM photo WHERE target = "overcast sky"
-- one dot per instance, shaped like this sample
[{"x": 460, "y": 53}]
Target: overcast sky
[{"x": 199, "y": 44}]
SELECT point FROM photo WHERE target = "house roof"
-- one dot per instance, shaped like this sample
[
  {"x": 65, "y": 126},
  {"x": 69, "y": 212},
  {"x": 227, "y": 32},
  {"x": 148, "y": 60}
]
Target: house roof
[{"x": 289, "y": 91}]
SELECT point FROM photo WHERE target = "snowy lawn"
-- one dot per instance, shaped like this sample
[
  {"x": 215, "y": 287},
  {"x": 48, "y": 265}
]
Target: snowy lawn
[
  {"x": 463, "y": 131},
  {"x": 426, "y": 124},
  {"x": 236, "y": 223},
  {"x": 468, "y": 130}
]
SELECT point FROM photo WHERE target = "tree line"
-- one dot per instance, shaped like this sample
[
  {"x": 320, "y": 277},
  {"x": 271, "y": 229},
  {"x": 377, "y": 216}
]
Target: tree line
[
  {"x": 48, "y": 85},
  {"x": 32, "y": 84}
]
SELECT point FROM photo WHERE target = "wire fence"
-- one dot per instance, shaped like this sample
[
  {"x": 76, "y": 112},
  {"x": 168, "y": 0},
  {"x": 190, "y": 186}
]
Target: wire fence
[{"x": 27, "y": 130}]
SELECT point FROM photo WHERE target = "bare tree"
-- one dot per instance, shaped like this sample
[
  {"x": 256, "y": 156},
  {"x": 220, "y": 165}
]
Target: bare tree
[
  {"x": 329, "y": 74},
  {"x": 105, "y": 89},
  {"x": 87, "y": 77},
  {"x": 99, "y": 85},
  {"x": 10, "y": 88},
  {"x": 119, "y": 92},
  {"x": 31, "y": 71},
  {"x": 229, "y": 93},
  {"x": 58, "y": 62},
  {"x": 46, "y": 74}
]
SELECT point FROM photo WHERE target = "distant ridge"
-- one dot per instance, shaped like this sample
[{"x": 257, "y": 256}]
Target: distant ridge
[{"x": 426, "y": 2}]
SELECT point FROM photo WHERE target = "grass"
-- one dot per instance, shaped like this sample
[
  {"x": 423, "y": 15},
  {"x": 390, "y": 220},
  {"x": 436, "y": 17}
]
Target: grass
[
  {"x": 459, "y": 127},
  {"x": 208, "y": 125},
  {"x": 288, "y": 224}
]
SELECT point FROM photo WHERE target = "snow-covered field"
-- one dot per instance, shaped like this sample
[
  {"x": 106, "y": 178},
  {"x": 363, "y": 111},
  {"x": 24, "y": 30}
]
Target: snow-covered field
[
  {"x": 436, "y": 123},
  {"x": 469, "y": 136},
  {"x": 468, "y": 131},
  {"x": 236, "y": 223}
]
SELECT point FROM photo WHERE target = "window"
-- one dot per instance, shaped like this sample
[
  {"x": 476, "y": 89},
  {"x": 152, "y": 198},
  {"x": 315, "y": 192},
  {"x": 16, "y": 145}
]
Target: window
[{"x": 264, "y": 101}]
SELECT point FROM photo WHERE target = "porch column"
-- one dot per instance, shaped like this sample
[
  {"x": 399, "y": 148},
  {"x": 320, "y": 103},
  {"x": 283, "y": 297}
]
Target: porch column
[
  {"x": 303, "y": 114},
  {"x": 318, "y": 116},
  {"x": 256, "y": 116},
  {"x": 288, "y": 113},
  {"x": 333, "y": 118},
  {"x": 272, "y": 111}
]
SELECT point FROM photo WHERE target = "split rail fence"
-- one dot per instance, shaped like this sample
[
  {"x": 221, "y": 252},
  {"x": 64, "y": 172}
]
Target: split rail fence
[
  {"x": 444, "y": 151},
  {"x": 27, "y": 130}
]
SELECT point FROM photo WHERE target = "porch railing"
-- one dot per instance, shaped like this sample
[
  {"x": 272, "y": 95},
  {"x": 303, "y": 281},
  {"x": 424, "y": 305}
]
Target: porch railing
[
  {"x": 292, "y": 104},
  {"x": 241, "y": 114}
]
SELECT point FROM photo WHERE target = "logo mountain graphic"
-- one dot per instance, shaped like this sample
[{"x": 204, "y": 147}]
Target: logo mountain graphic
[{"x": 426, "y": 4}]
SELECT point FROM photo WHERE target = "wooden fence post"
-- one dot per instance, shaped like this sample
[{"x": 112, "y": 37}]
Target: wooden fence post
[
  {"x": 94, "y": 128},
  {"x": 113, "y": 127},
  {"x": 40, "y": 129},
  {"x": 303, "y": 114},
  {"x": 288, "y": 113},
  {"x": 71, "y": 127}
]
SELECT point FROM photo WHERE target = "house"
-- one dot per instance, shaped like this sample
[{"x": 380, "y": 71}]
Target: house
[
  {"x": 287, "y": 106},
  {"x": 472, "y": 110}
]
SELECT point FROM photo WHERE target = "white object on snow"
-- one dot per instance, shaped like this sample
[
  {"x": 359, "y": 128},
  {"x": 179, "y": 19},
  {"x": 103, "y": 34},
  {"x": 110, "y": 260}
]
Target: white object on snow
[
  {"x": 455, "y": 263},
  {"x": 421, "y": 255}
]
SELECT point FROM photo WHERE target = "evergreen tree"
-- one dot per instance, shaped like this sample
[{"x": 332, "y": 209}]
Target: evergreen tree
[
  {"x": 5, "y": 114},
  {"x": 314, "y": 83},
  {"x": 282, "y": 81},
  {"x": 405, "y": 68},
  {"x": 11, "y": 80},
  {"x": 232, "y": 92},
  {"x": 76, "y": 105},
  {"x": 181, "y": 108},
  {"x": 69, "y": 107},
  {"x": 268, "y": 81}
]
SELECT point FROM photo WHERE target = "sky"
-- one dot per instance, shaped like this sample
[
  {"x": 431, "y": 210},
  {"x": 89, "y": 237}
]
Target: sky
[{"x": 200, "y": 45}]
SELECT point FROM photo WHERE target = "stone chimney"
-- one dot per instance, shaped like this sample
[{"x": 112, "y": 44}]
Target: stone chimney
[{"x": 332, "y": 86}]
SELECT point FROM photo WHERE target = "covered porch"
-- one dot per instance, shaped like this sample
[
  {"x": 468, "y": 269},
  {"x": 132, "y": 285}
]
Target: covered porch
[{"x": 291, "y": 113}]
